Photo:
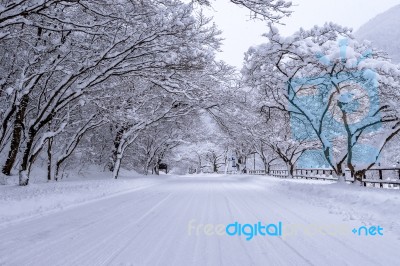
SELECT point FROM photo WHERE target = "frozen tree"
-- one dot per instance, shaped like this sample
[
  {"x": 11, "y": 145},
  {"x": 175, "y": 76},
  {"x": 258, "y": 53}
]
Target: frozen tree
[
  {"x": 83, "y": 78},
  {"x": 255, "y": 129},
  {"x": 209, "y": 156},
  {"x": 272, "y": 10},
  {"x": 275, "y": 132},
  {"x": 337, "y": 91},
  {"x": 67, "y": 49},
  {"x": 155, "y": 144}
]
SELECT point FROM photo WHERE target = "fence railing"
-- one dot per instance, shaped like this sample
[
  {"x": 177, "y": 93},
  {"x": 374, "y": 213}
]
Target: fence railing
[
  {"x": 228, "y": 172},
  {"x": 279, "y": 173},
  {"x": 384, "y": 177},
  {"x": 257, "y": 172},
  {"x": 312, "y": 173},
  {"x": 388, "y": 177},
  {"x": 315, "y": 173}
]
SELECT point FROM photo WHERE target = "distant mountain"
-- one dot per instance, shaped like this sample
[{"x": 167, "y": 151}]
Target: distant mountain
[{"x": 384, "y": 32}]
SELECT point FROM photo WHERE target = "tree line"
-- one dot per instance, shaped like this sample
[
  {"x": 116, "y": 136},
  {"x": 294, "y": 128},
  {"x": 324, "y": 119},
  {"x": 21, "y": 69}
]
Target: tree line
[{"x": 85, "y": 80}]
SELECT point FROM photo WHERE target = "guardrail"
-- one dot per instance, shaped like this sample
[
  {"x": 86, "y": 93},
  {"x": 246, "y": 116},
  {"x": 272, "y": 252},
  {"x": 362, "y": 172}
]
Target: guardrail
[
  {"x": 388, "y": 177},
  {"x": 317, "y": 173},
  {"x": 383, "y": 177},
  {"x": 257, "y": 172},
  {"x": 228, "y": 172},
  {"x": 279, "y": 173}
]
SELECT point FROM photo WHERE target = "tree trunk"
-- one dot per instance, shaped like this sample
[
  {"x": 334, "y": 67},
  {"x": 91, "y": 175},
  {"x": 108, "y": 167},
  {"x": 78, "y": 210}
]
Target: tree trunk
[
  {"x": 117, "y": 143},
  {"x": 16, "y": 136},
  {"x": 156, "y": 168},
  {"x": 23, "y": 171},
  {"x": 340, "y": 174},
  {"x": 266, "y": 168},
  {"x": 358, "y": 177},
  {"x": 291, "y": 170},
  {"x": 339, "y": 169},
  {"x": 120, "y": 153},
  {"x": 199, "y": 165},
  {"x": 58, "y": 166},
  {"x": 215, "y": 167},
  {"x": 57, "y": 171},
  {"x": 148, "y": 165},
  {"x": 49, "y": 158},
  {"x": 117, "y": 166},
  {"x": 5, "y": 125}
]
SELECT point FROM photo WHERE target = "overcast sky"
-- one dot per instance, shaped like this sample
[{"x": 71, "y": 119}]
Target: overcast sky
[{"x": 240, "y": 33}]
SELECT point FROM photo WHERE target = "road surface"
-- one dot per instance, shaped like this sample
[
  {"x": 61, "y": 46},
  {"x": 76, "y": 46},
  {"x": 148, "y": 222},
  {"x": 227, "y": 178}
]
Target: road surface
[{"x": 164, "y": 225}]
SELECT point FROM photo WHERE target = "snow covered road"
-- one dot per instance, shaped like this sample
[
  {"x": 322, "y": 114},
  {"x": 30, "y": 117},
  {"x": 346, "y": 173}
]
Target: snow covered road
[{"x": 164, "y": 224}]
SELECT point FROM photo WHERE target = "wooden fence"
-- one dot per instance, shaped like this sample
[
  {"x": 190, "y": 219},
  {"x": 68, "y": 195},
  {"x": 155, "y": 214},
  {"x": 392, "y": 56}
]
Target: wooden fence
[
  {"x": 383, "y": 177},
  {"x": 257, "y": 172},
  {"x": 388, "y": 177}
]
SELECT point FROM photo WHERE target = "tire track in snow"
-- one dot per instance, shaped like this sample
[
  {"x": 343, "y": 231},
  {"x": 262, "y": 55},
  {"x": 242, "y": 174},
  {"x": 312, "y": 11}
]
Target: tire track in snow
[
  {"x": 349, "y": 248},
  {"x": 130, "y": 243},
  {"x": 42, "y": 245},
  {"x": 116, "y": 238},
  {"x": 244, "y": 200},
  {"x": 231, "y": 214},
  {"x": 106, "y": 223},
  {"x": 32, "y": 217}
]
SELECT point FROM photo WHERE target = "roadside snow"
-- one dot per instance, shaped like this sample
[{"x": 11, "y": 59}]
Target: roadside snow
[
  {"x": 370, "y": 206},
  {"x": 38, "y": 199}
]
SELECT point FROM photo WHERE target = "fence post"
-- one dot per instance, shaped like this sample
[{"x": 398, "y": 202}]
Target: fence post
[
  {"x": 364, "y": 177},
  {"x": 381, "y": 178}
]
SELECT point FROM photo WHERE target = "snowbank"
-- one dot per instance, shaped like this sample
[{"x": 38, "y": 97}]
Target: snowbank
[
  {"x": 369, "y": 206},
  {"x": 37, "y": 199}
]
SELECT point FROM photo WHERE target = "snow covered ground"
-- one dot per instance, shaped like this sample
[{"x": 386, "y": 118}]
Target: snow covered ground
[
  {"x": 41, "y": 198},
  {"x": 173, "y": 220}
]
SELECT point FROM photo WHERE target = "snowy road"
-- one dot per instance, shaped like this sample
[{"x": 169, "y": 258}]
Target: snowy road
[{"x": 150, "y": 226}]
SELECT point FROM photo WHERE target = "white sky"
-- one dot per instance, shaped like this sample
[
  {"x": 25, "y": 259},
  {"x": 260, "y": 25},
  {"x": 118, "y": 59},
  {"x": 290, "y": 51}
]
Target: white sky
[{"x": 240, "y": 33}]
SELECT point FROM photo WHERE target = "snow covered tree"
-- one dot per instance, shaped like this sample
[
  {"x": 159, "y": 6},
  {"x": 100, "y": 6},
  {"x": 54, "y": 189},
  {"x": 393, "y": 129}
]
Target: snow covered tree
[
  {"x": 156, "y": 143},
  {"x": 275, "y": 132},
  {"x": 72, "y": 48},
  {"x": 137, "y": 63},
  {"x": 340, "y": 92},
  {"x": 272, "y": 10}
]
